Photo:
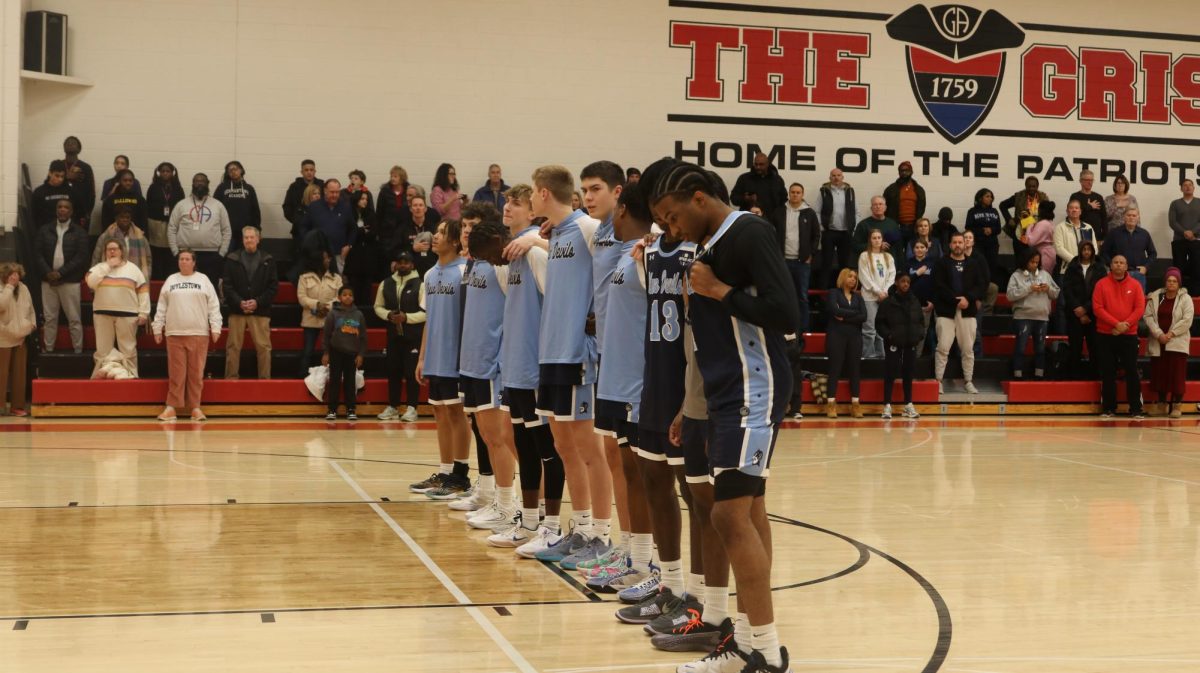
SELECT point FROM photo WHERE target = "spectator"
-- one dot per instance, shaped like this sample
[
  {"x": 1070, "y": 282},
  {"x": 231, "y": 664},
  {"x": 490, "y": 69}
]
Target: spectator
[
  {"x": 799, "y": 234},
  {"x": 983, "y": 220},
  {"x": 1184, "y": 219},
  {"x": 304, "y": 224},
  {"x": 134, "y": 246},
  {"x": 123, "y": 194},
  {"x": 923, "y": 231},
  {"x": 1079, "y": 282},
  {"x": 335, "y": 219},
  {"x": 839, "y": 214},
  {"x": 17, "y": 321},
  {"x": 1169, "y": 315},
  {"x": 989, "y": 297},
  {"x": 240, "y": 201},
  {"x": 944, "y": 228},
  {"x": 920, "y": 271},
  {"x": 577, "y": 202},
  {"x": 1118, "y": 202},
  {"x": 843, "y": 339},
  {"x": 391, "y": 212},
  {"x": 1134, "y": 244},
  {"x": 316, "y": 291},
  {"x": 163, "y": 194},
  {"x": 759, "y": 190},
  {"x": 365, "y": 261},
  {"x": 878, "y": 220},
  {"x": 83, "y": 181},
  {"x": 1069, "y": 233},
  {"x": 62, "y": 259},
  {"x": 1020, "y": 212},
  {"x": 493, "y": 190},
  {"x": 423, "y": 257},
  {"x": 249, "y": 286},
  {"x": 1031, "y": 290},
  {"x": 53, "y": 189},
  {"x": 345, "y": 346},
  {"x": 121, "y": 304},
  {"x": 398, "y": 302},
  {"x": 189, "y": 314},
  {"x": 421, "y": 220},
  {"x": 201, "y": 224},
  {"x": 959, "y": 286},
  {"x": 293, "y": 207},
  {"x": 1119, "y": 303},
  {"x": 120, "y": 163},
  {"x": 414, "y": 191},
  {"x": 358, "y": 185},
  {"x": 632, "y": 176},
  {"x": 446, "y": 198},
  {"x": 1040, "y": 237},
  {"x": 1091, "y": 204},
  {"x": 901, "y": 322},
  {"x": 877, "y": 272},
  {"x": 905, "y": 201}
]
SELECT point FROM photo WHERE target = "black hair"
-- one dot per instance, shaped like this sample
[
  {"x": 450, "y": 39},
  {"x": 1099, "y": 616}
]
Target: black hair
[
  {"x": 315, "y": 263},
  {"x": 58, "y": 166},
  {"x": 306, "y": 162},
  {"x": 453, "y": 231},
  {"x": 607, "y": 171},
  {"x": 480, "y": 210},
  {"x": 981, "y": 193},
  {"x": 122, "y": 209},
  {"x": 945, "y": 214},
  {"x": 77, "y": 142},
  {"x": 1089, "y": 244},
  {"x": 343, "y": 289},
  {"x": 442, "y": 178},
  {"x": 121, "y": 174},
  {"x": 634, "y": 200},
  {"x": 1029, "y": 254},
  {"x": 489, "y": 232},
  {"x": 237, "y": 163},
  {"x": 672, "y": 177},
  {"x": 121, "y": 156},
  {"x": 66, "y": 201},
  {"x": 1046, "y": 210},
  {"x": 631, "y": 171},
  {"x": 200, "y": 175},
  {"x": 362, "y": 176}
]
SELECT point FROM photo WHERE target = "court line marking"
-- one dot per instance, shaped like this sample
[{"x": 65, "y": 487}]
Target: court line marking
[{"x": 476, "y": 614}]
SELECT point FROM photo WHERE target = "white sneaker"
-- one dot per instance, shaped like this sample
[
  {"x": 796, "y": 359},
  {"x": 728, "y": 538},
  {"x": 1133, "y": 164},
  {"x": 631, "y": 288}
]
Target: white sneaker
[
  {"x": 541, "y": 540},
  {"x": 910, "y": 411},
  {"x": 477, "y": 500},
  {"x": 410, "y": 416},
  {"x": 388, "y": 414},
  {"x": 489, "y": 517},
  {"x": 887, "y": 412},
  {"x": 514, "y": 535},
  {"x": 970, "y": 388}
]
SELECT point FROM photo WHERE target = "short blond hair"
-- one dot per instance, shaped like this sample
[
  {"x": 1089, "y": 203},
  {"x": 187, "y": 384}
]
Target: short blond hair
[
  {"x": 309, "y": 192},
  {"x": 558, "y": 180},
  {"x": 843, "y": 276},
  {"x": 521, "y": 193}
]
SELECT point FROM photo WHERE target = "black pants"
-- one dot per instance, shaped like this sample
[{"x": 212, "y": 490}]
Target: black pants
[
  {"x": 836, "y": 253},
  {"x": 1119, "y": 352},
  {"x": 209, "y": 263},
  {"x": 844, "y": 352},
  {"x": 898, "y": 359},
  {"x": 341, "y": 380},
  {"x": 402, "y": 371},
  {"x": 1185, "y": 254},
  {"x": 1077, "y": 335}
]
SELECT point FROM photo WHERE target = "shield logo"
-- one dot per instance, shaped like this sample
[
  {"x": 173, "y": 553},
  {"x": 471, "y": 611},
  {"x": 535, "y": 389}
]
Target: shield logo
[{"x": 956, "y": 60}]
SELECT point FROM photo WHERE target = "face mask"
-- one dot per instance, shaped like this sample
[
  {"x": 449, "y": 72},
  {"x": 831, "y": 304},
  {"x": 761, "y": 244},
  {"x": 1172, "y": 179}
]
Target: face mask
[{"x": 200, "y": 190}]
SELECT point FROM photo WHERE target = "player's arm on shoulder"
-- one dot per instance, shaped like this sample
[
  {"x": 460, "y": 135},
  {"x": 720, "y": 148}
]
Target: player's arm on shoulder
[{"x": 774, "y": 304}]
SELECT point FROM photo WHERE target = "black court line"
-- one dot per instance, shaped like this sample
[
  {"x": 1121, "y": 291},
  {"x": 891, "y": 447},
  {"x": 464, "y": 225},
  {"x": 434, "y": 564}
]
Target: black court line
[
  {"x": 72, "y": 504},
  {"x": 864, "y": 555},
  {"x": 268, "y": 618},
  {"x": 592, "y": 596},
  {"x": 945, "y": 624},
  {"x": 502, "y": 611},
  {"x": 231, "y": 501},
  {"x": 21, "y": 625}
]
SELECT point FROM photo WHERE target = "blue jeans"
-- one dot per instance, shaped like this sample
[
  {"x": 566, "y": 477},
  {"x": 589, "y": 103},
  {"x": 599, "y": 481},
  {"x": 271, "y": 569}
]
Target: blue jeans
[
  {"x": 1141, "y": 279},
  {"x": 801, "y": 271},
  {"x": 310, "y": 344},
  {"x": 1026, "y": 330}
]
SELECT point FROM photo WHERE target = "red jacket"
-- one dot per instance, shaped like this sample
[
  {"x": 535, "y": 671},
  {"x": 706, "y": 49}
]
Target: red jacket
[{"x": 1117, "y": 301}]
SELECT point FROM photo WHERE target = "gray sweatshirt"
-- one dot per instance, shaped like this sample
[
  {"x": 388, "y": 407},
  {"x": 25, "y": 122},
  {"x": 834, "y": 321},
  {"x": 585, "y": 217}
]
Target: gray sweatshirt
[
  {"x": 199, "y": 224},
  {"x": 1027, "y": 304}
]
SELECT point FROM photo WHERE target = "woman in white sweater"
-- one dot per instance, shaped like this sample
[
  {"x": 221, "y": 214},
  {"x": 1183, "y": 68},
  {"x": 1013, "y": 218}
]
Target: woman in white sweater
[
  {"x": 17, "y": 321},
  {"x": 189, "y": 313},
  {"x": 120, "y": 305},
  {"x": 876, "y": 275}
]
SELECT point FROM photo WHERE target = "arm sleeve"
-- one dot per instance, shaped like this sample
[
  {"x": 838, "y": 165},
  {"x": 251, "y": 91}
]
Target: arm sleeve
[
  {"x": 272, "y": 286},
  {"x": 1006, "y": 207},
  {"x": 1060, "y": 243},
  {"x": 1017, "y": 289},
  {"x": 1151, "y": 252},
  {"x": 437, "y": 199},
  {"x": 39, "y": 260},
  {"x": 362, "y": 335},
  {"x": 255, "y": 210},
  {"x": 214, "y": 308},
  {"x": 416, "y": 317},
  {"x": 1183, "y": 326},
  {"x": 232, "y": 294},
  {"x": 421, "y": 295},
  {"x": 77, "y": 263},
  {"x": 143, "y": 292},
  {"x": 173, "y": 230},
  {"x": 1173, "y": 219},
  {"x": 1053, "y": 289},
  {"x": 1138, "y": 307},
  {"x": 160, "y": 311},
  {"x": 226, "y": 229},
  {"x": 1099, "y": 308},
  {"x": 775, "y": 305},
  {"x": 920, "y": 201},
  {"x": 304, "y": 293},
  {"x": 380, "y": 307},
  {"x": 327, "y": 331}
]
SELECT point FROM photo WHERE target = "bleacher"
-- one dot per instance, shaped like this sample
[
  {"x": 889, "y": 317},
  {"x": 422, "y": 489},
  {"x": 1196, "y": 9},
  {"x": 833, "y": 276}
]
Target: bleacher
[{"x": 61, "y": 387}]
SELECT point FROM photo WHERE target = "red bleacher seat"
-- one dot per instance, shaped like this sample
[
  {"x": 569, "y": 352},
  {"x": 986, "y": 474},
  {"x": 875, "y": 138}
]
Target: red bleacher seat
[
  {"x": 216, "y": 391},
  {"x": 282, "y": 339},
  {"x": 871, "y": 391},
  {"x": 1064, "y": 392}
]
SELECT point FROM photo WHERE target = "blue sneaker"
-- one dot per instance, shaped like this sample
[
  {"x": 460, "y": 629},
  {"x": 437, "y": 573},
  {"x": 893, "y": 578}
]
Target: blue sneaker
[
  {"x": 594, "y": 549},
  {"x": 642, "y": 590},
  {"x": 566, "y": 545}
]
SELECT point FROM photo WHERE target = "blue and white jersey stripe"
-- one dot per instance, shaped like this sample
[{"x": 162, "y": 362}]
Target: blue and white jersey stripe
[{"x": 622, "y": 369}]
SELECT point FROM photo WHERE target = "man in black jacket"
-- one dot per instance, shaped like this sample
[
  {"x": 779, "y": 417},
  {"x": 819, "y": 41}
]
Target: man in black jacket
[
  {"x": 62, "y": 259},
  {"x": 959, "y": 288},
  {"x": 83, "y": 182},
  {"x": 398, "y": 302},
  {"x": 249, "y": 285},
  {"x": 799, "y": 234},
  {"x": 760, "y": 190},
  {"x": 49, "y": 193},
  {"x": 293, "y": 210}
]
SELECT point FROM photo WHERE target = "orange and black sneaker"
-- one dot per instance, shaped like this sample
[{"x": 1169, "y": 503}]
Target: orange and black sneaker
[
  {"x": 724, "y": 658},
  {"x": 693, "y": 635}
]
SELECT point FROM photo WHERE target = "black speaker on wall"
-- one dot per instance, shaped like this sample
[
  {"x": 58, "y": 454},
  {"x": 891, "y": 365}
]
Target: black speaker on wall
[{"x": 46, "y": 42}]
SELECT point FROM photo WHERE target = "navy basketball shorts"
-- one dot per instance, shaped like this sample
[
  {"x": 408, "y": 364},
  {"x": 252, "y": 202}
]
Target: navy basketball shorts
[
  {"x": 564, "y": 393},
  {"x": 521, "y": 405},
  {"x": 739, "y": 459},
  {"x": 695, "y": 450},
  {"x": 657, "y": 446},
  {"x": 612, "y": 415},
  {"x": 479, "y": 394},
  {"x": 443, "y": 390}
]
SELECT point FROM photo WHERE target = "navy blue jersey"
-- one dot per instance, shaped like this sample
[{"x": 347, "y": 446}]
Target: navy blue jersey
[
  {"x": 747, "y": 377},
  {"x": 665, "y": 360}
]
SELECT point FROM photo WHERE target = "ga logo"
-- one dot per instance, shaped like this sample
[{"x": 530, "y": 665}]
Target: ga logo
[{"x": 955, "y": 62}]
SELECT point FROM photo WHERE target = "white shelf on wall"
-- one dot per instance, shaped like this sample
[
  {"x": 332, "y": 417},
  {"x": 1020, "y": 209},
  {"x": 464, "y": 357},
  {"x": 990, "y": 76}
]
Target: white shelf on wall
[{"x": 58, "y": 79}]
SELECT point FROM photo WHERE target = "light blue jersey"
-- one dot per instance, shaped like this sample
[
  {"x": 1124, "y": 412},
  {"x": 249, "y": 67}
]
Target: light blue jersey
[
  {"x": 483, "y": 322},
  {"x": 440, "y": 299},
  {"x": 606, "y": 250},
  {"x": 569, "y": 291},
  {"x": 522, "y": 318},
  {"x": 621, "y": 371}
]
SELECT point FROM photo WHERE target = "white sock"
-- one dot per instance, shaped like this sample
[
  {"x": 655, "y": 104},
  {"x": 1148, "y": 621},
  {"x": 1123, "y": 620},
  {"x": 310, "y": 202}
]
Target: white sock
[
  {"x": 486, "y": 484},
  {"x": 640, "y": 551},
  {"x": 553, "y": 523},
  {"x": 765, "y": 639},
  {"x": 602, "y": 528},
  {"x": 445, "y": 468},
  {"x": 695, "y": 586},
  {"x": 626, "y": 540},
  {"x": 583, "y": 521},
  {"x": 506, "y": 498},
  {"x": 671, "y": 576},
  {"x": 529, "y": 518},
  {"x": 741, "y": 631},
  {"x": 716, "y": 605}
]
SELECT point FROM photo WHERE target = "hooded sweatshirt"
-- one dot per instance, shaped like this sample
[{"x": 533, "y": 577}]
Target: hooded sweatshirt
[
  {"x": 900, "y": 320},
  {"x": 241, "y": 203},
  {"x": 1115, "y": 301},
  {"x": 17, "y": 320},
  {"x": 1027, "y": 304},
  {"x": 199, "y": 224},
  {"x": 768, "y": 190},
  {"x": 346, "y": 330}
]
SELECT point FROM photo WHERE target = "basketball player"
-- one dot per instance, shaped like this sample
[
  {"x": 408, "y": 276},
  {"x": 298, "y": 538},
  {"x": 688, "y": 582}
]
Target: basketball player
[
  {"x": 741, "y": 305},
  {"x": 437, "y": 362}
]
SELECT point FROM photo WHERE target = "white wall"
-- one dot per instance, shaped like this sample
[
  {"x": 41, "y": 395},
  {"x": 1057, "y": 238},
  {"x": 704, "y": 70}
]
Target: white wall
[{"x": 522, "y": 83}]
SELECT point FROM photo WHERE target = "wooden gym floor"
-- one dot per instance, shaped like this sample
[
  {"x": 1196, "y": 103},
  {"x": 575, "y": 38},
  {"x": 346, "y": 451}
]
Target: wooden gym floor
[{"x": 959, "y": 545}]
